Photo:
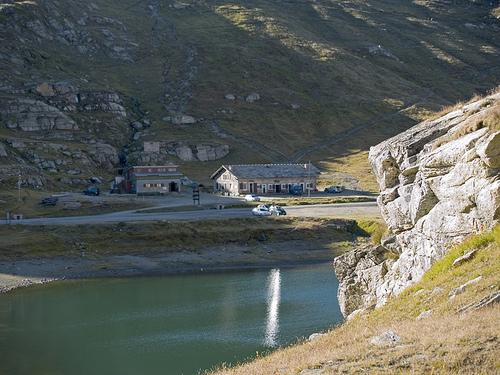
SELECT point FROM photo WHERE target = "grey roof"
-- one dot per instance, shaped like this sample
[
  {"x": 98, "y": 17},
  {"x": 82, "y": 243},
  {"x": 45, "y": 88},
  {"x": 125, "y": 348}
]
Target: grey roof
[
  {"x": 157, "y": 174},
  {"x": 271, "y": 170}
]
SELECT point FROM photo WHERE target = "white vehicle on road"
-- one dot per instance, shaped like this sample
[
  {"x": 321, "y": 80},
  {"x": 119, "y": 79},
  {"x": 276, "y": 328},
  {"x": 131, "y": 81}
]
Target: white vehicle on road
[
  {"x": 252, "y": 198},
  {"x": 261, "y": 210},
  {"x": 333, "y": 189}
]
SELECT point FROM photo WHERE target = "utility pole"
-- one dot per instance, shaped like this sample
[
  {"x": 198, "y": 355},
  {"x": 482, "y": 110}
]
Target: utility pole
[
  {"x": 19, "y": 187},
  {"x": 309, "y": 180}
]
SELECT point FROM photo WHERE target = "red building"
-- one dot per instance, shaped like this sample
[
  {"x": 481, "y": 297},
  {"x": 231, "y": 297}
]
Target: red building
[{"x": 148, "y": 180}]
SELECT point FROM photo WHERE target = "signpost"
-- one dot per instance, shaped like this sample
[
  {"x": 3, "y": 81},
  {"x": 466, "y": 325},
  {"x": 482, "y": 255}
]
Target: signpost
[{"x": 196, "y": 192}]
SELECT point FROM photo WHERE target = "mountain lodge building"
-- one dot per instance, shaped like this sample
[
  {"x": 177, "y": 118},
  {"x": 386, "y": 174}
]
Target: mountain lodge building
[{"x": 264, "y": 178}]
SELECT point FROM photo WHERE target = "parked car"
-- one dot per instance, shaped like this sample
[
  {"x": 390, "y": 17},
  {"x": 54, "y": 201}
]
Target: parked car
[
  {"x": 277, "y": 210},
  {"x": 333, "y": 189},
  {"x": 261, "y": 210},
  {"x": 252, "y": 198},
  {"x": 295, "y": 189},
  {"x": 92, "y": 190}
]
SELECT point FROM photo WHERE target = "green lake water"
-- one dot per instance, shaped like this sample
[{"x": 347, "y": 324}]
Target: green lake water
[{"x": 176, "y": 324}]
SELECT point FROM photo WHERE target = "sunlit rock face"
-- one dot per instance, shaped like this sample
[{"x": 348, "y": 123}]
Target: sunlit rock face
[{"x": 438, "y": 184}]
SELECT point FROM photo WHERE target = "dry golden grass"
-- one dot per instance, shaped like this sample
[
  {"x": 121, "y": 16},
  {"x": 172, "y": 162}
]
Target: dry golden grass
[
  {"x": 444, "y": 111},
  {"x": 446, "y": 342},
  {"x": 23, "y": 241},
  {"x": 461, "y": 344},
  {"x": 353, "y": 164},
  {"x": 487, "y": 116},
  {"x": 491, "y": 118}
]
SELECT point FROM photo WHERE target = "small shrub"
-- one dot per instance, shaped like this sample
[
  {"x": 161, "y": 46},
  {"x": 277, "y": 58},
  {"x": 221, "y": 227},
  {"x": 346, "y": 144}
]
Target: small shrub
[{"x": 381, "y": 232}]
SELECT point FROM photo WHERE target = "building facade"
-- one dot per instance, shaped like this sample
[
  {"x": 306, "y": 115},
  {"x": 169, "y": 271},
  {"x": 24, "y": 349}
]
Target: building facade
[
  {"x": 264, "y": 178},
  {"x": 148, "y": 180}
]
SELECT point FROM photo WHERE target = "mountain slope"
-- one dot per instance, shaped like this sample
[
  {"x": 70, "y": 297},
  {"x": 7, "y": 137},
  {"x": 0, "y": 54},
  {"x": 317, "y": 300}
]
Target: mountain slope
[{"x": 84, "y": 84}]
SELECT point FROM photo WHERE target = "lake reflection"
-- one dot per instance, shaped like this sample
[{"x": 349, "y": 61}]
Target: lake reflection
[
  {"x": 162, "y": 325},
  {"x": 273, "y": 306}
]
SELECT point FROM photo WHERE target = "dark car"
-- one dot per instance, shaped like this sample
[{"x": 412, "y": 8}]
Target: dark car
[
  {"x": 277, "y": 210},
  {"x": 92, "y": 190},
  {"x": 295, "y": 189}
]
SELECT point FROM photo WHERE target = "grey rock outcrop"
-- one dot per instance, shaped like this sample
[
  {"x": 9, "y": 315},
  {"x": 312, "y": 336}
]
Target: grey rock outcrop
[
  {"x": 198, "y": 152},
  {"x": 386, "y": 338},
  {"x": 104, "y": 155},
  {"x": 489, "y": 300},
  {"x": 57, "y": 142},
  {"x": 439, "y": 184},
  {"x": 253, "y": 97},
  {"x": 381, "y": 51},
  {"x": 31, "y": 115},
  {"x": 181, "y": 150},
  {"x": 3, "y": 152},
  {"x": 211, "y": 153}
]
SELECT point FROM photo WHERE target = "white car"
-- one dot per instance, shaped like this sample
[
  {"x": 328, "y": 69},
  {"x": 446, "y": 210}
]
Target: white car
[
  {"x": 252, "y": 198},
  {"x": 333, "y": 189},
  {"x": 261, "y": 210}
]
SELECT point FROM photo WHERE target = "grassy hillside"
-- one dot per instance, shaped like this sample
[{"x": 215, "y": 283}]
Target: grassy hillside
[
  {"x": 439, "y": 326},
  {"x": 333, "y": 77}
]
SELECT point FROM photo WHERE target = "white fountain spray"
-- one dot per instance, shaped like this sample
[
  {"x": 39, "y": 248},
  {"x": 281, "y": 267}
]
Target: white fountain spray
[{"x": 273, "y": 303}]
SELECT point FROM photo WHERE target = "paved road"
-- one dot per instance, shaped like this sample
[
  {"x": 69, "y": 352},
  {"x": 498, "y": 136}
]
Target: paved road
[{"x": 341, "y": 209}]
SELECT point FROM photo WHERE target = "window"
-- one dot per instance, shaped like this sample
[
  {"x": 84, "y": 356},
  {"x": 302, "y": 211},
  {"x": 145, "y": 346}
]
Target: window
[{"x": 243, "y": 185}]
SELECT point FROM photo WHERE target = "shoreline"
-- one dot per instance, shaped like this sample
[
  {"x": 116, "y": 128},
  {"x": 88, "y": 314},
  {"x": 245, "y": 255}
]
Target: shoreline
[{"x": 16, "y": 274}]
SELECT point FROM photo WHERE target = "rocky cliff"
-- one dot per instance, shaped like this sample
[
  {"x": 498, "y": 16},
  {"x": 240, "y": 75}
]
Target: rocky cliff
[{"x": 439, "y": 183}]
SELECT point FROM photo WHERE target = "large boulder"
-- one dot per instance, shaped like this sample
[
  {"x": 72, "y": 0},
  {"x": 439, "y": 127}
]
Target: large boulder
[
  {"x": 438, "y": 185},
  {"x": 104, "y": 155}
]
